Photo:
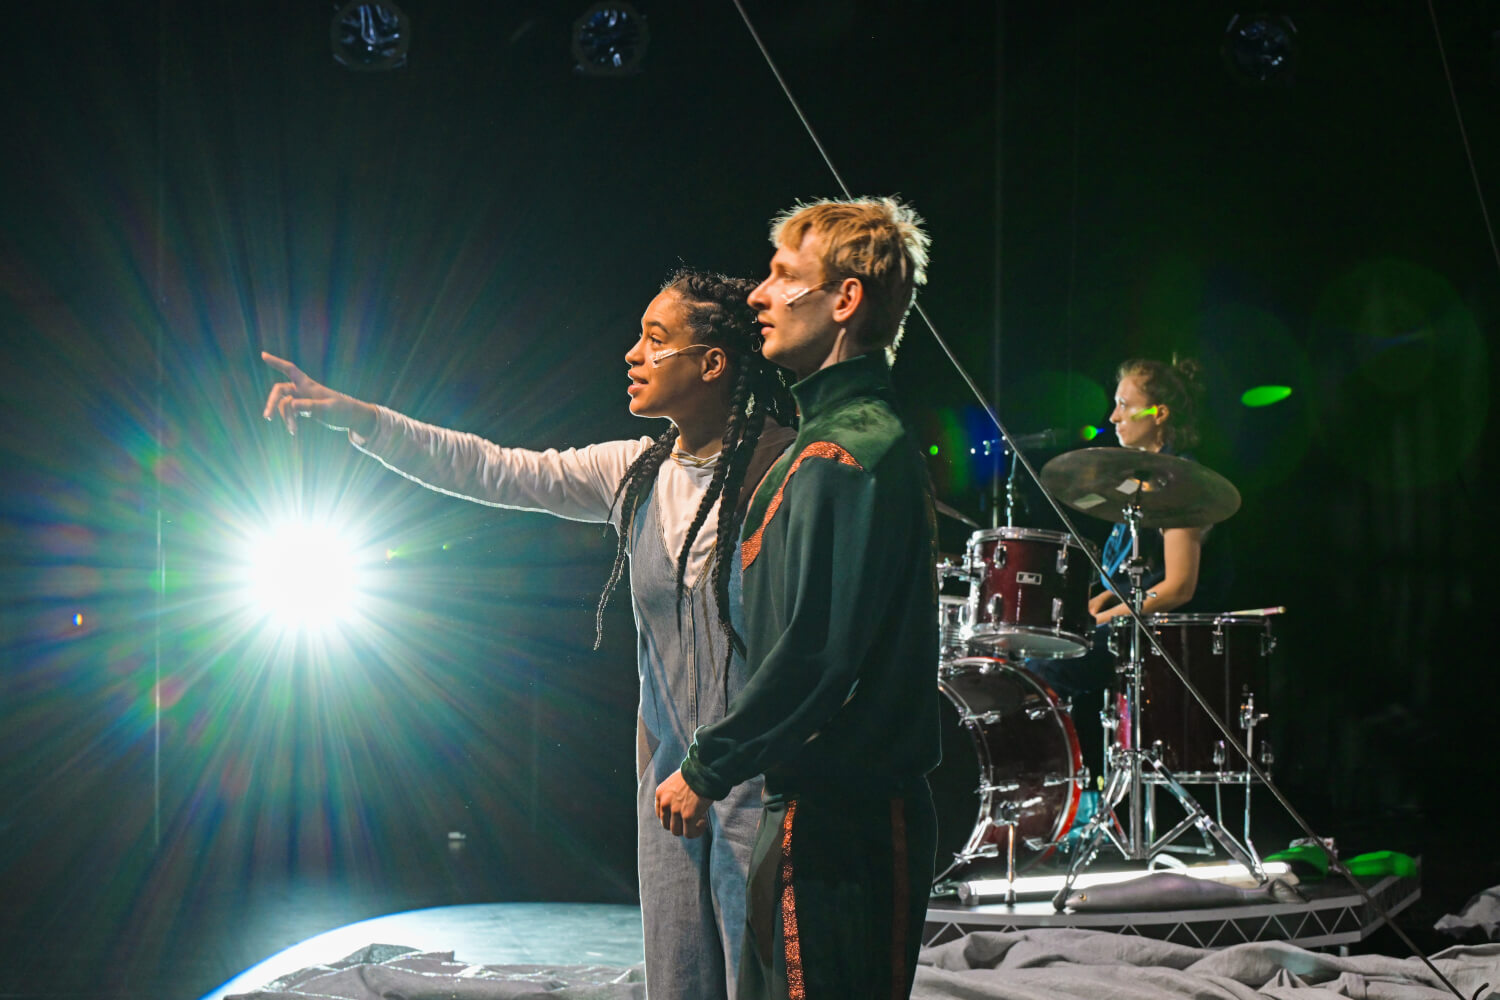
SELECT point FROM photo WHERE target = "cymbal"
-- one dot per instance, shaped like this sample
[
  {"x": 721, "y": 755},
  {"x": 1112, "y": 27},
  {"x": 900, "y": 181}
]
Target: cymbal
[
  {"x": 1172, "y": 492},
  {"x": 954, "y": 513}
]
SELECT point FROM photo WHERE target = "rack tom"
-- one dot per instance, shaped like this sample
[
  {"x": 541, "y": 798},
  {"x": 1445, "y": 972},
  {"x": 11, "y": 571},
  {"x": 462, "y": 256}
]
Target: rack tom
[{"x": 1028, "y": 594}]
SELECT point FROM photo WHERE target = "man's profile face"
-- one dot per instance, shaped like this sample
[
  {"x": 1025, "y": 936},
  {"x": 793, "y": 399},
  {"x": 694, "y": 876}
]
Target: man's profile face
[{"x": 795, "y": 307}]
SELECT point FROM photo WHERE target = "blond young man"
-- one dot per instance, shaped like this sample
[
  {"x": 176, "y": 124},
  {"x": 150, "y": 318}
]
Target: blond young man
[{"x": 840, "y": 712}]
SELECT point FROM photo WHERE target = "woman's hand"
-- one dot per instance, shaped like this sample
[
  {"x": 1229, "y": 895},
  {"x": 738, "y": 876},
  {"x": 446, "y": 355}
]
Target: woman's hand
[{"x": 303, "y": 397}]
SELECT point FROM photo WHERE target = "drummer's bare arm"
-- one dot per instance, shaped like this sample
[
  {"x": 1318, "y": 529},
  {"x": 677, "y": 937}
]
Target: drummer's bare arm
[
  {"x": 1181, "y": 549},
  {"x": 1104, "y": 599}
]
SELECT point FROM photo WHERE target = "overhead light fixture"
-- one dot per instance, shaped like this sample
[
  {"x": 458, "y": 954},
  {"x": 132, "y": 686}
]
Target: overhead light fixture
[
  {"x": 609, "y": 39},
  {"x": 370, "y": 36},
  {"x": 1261, "y": 49}
]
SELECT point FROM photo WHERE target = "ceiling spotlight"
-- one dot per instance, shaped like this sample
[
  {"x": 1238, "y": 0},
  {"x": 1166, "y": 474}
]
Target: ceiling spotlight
[
  {"x": 1261, "y": 49},
  {"x": 609, "y": 39},
  {"x": 370, "y": 36}
]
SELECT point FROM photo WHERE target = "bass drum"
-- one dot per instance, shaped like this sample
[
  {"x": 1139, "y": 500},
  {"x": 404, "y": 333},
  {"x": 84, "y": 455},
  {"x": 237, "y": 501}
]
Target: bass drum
[{"x": 1010, "y": 753}]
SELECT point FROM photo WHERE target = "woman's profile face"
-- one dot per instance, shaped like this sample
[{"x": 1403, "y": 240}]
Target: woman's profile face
[
  {"x": 663, "y": 383},
  {"x": 1138, "y": 422}
]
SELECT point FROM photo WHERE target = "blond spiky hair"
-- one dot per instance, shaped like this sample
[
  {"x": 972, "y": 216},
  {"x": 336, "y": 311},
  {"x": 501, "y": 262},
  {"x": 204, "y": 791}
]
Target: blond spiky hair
[{"x": 880, "y": 241}]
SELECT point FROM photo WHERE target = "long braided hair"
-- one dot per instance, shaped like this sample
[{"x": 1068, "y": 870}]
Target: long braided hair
[{"x": 719, "y": 316}]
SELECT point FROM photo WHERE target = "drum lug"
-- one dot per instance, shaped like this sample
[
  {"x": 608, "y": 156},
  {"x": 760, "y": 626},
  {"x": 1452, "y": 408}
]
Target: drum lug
[
  {"x": 1062, "y": 560},
  {"x": 994, "y": 607},
  {"x": 1218, "y": 645},
  {"x": 1267, "y": 758},
  {"x": 1267, "y": 643},
  {"x": 1221, "y": 754},
  {"x": 1057, "y": 612}
]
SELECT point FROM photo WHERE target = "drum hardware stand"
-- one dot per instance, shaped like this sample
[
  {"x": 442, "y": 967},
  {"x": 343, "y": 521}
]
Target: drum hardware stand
[
  {"x": 1126, "y": 768},
  {"x": 998, "y": 446}
]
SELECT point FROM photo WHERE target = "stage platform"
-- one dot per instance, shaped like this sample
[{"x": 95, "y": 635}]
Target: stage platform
[{"x": 1334, "y": 916}]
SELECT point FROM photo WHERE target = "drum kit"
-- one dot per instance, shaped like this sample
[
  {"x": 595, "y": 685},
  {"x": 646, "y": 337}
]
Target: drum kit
[{"x": 1028, "y": 599}]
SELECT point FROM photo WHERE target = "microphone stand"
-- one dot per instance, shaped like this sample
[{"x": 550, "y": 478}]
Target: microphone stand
[{"x": 1002, "y": 449}]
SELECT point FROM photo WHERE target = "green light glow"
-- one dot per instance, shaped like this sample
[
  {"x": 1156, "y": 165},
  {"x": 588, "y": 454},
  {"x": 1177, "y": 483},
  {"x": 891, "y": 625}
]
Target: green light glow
[
  {"x": 932, "y": 449},
  {"x": 1265, "y": 395},
  {"x": 1089, "y": 433},
  {"x": 1149, "y": 411}
]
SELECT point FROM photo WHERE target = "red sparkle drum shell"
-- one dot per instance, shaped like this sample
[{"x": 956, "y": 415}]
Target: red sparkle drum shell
[
  {"x": 1224, "y": 656},
  {"x": 1009, "y": 750},
  {"x": 1029, "y": 593}
]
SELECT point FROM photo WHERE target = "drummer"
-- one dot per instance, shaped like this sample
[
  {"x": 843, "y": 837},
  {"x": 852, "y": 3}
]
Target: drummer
[{"x": 1156, "y": 409}]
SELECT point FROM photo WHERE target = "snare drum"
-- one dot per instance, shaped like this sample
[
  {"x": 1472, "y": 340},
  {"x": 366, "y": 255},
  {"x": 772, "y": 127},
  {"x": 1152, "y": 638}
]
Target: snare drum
[
  {"x": 1021, "y": 756},
  {"x": 1029, "y": 593},
  {"x": 1225, "y": 657}
]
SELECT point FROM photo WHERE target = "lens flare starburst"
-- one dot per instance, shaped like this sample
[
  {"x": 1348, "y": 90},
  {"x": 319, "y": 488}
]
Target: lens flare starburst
[{"x": 303, "y": 575}]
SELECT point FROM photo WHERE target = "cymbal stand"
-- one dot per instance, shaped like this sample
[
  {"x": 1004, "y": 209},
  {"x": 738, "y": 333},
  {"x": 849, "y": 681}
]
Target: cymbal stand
[{"x": 1126, "y": 767}]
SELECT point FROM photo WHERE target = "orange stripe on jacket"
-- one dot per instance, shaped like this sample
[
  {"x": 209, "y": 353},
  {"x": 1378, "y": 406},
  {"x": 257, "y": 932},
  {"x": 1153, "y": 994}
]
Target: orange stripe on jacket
[{"x": 750, "y": 548}]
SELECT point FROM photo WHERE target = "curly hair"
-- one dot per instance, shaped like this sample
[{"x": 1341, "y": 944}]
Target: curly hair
[
  {"x": 718, "y": 315},
  {"x": 1177, "y": 386}
]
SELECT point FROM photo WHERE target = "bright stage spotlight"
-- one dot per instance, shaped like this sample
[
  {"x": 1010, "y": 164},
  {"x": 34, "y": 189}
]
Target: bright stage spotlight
[{"x": 304, "y": 576}]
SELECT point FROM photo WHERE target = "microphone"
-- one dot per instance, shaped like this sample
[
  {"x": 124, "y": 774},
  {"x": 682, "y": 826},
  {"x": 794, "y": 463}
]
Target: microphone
[{"x": 1053, "y": 437}]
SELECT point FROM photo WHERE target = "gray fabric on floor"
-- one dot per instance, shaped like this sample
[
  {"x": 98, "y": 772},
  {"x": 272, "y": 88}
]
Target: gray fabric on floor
[
  {"x": 1480, "y": 917},
  {"x": 381, "y": 971},
  {"x": 1051, "y": 964},
  {"x": 1062, "y": 963}
]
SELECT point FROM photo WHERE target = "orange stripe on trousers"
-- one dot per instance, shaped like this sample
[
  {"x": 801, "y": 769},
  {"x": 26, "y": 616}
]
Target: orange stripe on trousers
[
  {"x": 900, "y": 898},
  {"x": 795, "y": 988}
]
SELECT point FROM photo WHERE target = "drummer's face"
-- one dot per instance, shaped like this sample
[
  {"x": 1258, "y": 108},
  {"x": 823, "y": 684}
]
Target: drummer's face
[{"x": 1135, "y": 424}]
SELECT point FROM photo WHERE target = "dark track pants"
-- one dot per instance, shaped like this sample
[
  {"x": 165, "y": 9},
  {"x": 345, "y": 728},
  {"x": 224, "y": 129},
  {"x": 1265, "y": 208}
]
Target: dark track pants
[{"x": 838, "y": 892}]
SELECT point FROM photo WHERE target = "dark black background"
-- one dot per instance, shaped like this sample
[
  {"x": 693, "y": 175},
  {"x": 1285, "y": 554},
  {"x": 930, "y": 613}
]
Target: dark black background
[{"x": 471, "y": 239}]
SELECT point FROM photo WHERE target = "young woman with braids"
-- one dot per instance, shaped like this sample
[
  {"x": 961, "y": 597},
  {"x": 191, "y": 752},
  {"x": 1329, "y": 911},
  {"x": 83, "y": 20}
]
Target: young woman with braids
[{"x": 677, "y": 502}]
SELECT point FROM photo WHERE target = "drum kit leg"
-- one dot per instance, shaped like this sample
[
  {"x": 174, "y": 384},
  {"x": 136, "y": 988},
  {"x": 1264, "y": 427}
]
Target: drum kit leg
[{"x": 1027, "y": 600}]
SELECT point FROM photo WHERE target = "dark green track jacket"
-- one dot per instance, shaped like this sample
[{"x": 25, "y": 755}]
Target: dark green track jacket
[{"x": 840, "y": 605}]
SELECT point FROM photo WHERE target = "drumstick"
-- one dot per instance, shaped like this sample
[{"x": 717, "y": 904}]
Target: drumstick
[{"x": 1261, "y": 611}]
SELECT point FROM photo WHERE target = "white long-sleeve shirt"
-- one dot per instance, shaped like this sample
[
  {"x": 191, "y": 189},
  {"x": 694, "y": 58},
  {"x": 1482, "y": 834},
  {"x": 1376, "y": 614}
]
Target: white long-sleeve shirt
[{"x": 575, "y": 483}]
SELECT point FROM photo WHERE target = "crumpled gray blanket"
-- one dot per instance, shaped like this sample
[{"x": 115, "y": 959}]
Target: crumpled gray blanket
[
  {"x": 1045, "y": 964},
  {"x": 393, "y": 972},
  {"x": 1059, "y": 963},
  {"x": 1478, "y": 920}
]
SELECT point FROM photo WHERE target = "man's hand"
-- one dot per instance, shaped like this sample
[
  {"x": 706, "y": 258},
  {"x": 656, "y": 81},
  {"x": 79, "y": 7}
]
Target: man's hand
[
  {"x": 302, "y": 397},
  {"x": 680, "y": 809}
]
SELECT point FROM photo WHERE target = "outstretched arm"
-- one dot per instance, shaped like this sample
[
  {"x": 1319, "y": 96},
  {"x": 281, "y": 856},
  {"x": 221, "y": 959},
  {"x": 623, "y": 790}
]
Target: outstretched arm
[{"x": 576, "y": 483}]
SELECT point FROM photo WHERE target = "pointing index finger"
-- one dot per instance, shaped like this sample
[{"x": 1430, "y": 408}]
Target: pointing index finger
[{"x": 281, "y": 364}]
